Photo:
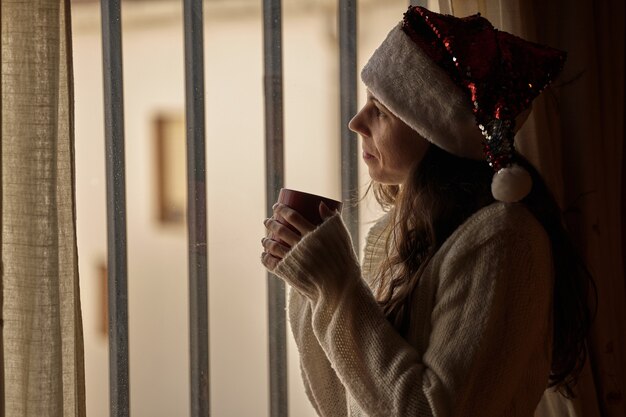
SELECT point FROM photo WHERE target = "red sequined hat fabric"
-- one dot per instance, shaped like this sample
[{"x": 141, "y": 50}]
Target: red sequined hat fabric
[{"x": 500, "y": 72}]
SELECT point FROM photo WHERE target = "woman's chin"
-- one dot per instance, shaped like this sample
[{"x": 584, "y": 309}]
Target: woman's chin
[{"x": 382, "y": 178}]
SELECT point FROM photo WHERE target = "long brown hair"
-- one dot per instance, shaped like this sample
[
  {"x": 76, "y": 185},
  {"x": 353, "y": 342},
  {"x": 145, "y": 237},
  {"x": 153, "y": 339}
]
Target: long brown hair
[{"x": 440, "y": 194}]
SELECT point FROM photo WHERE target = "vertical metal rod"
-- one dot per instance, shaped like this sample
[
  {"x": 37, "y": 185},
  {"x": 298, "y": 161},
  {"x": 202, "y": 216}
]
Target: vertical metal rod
[
  {"x": 116, "y": 208},
  {"x": 196, "y": 209},
  {"x": 348, "y": 108},
  {"x": 2, "y": 406},
  {"x": 274, "y": 168}
]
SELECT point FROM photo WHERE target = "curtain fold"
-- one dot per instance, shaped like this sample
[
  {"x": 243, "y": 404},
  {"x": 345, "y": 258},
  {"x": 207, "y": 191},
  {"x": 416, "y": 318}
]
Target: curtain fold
[
  {"x": 575, "y": 137},
  {"x": 42, "y": 328}
]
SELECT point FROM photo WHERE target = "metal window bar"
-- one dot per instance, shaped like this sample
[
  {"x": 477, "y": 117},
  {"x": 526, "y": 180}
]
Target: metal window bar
[
  {"x": 196, "y": 209},
  {"x": 348, "y": 107},
  {"x": 2, "y": 395},
  {"x": 274, "y": 168},
  {"x": 116, "y": 208}
]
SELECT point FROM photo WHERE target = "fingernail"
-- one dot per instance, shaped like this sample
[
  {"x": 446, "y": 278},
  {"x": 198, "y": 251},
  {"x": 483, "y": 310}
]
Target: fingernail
[
  {"x": 265, "y": 222},
  {"x": 274, "y": 206},
  {"x": 262, "y": 240}
]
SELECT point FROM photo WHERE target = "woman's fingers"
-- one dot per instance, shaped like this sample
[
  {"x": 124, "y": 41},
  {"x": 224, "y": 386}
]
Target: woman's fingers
[
  {"x": 283, "y": 231},
  {"x": 325, "y": 211},
  {"x": 274, "y": 248},
  {"x": 294, "y": 218},
  {"x": 279, "y": 231},
  {"x": 269, "y": 261}
]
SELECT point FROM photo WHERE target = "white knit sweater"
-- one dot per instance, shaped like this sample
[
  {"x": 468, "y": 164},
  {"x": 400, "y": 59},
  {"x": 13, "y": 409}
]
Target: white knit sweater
[{"x": 480, "y": 334}]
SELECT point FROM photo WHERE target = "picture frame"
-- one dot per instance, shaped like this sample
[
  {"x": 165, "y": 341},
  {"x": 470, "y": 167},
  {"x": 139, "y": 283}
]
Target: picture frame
[{"x": 171, "y": 182}]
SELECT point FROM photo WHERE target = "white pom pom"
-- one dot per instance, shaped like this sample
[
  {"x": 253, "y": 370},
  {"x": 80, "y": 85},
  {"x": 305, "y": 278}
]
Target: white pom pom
[{"x": 511, "y": 184}]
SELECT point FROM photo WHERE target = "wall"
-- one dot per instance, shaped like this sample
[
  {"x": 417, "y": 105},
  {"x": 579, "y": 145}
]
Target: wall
[{"x": 157, "y": 269}]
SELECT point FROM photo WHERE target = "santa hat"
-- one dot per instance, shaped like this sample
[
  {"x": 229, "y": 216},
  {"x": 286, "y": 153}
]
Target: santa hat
[{"x": 460, "y": 83}]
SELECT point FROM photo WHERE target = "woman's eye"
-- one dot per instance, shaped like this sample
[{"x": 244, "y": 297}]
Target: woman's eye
[{"x": 379, "y": 112}]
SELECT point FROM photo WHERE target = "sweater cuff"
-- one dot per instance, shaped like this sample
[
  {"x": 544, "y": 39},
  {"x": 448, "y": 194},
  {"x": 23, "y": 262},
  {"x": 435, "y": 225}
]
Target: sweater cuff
[{"x": 323, "y": 263}]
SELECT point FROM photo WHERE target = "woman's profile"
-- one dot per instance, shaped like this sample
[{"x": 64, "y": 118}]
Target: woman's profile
[{"x": 470, "y": 299}]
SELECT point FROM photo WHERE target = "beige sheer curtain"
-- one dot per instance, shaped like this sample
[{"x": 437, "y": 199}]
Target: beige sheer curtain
[
  {"x": 42, "y": 343},
  {"x": 575, "y": 137}
]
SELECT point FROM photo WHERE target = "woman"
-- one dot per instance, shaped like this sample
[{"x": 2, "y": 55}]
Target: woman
[{"x": 470, "y": 300}]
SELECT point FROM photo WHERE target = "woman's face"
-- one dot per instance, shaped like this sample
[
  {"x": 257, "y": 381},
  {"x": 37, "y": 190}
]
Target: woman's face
[{"x": 390, "y": 147}]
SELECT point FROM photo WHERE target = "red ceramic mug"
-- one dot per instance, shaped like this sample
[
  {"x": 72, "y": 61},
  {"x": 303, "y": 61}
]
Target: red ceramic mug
[{"x": 307, "y": 204}]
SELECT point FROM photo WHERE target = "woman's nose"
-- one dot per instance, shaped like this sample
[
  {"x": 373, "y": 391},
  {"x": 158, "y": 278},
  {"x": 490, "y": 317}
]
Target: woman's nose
[
  {"x": 356, "y": 124},
  {"x": 352, "y": 123}
]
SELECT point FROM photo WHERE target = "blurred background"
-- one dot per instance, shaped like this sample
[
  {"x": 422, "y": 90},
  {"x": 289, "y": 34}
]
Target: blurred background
[{"x": 154, "y": 103}]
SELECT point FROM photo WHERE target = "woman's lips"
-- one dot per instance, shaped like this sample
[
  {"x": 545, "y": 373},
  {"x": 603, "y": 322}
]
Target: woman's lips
[{"x": 367, "y": 155}]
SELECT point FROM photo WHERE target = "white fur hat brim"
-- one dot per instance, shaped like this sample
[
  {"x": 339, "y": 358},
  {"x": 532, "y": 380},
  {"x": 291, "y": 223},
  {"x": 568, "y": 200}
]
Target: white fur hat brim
[{"x": 406, "y": 81}]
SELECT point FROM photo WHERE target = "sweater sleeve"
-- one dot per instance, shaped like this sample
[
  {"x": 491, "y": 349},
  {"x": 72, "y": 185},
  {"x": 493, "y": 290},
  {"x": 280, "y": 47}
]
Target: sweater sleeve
[
  {"x": 493, "y": 296},
  {"x": 319, "y": 378},
  {"x": 314, "y": 365}
]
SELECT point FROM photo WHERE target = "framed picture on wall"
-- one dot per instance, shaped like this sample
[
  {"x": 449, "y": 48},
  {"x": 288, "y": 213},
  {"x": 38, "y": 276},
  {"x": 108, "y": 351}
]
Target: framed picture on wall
[{"x": 169, "y": 128}]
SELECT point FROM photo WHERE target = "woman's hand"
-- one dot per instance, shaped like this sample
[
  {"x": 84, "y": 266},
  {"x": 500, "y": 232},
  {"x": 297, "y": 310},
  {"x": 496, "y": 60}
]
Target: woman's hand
[{"x": 284, "y": 230}]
